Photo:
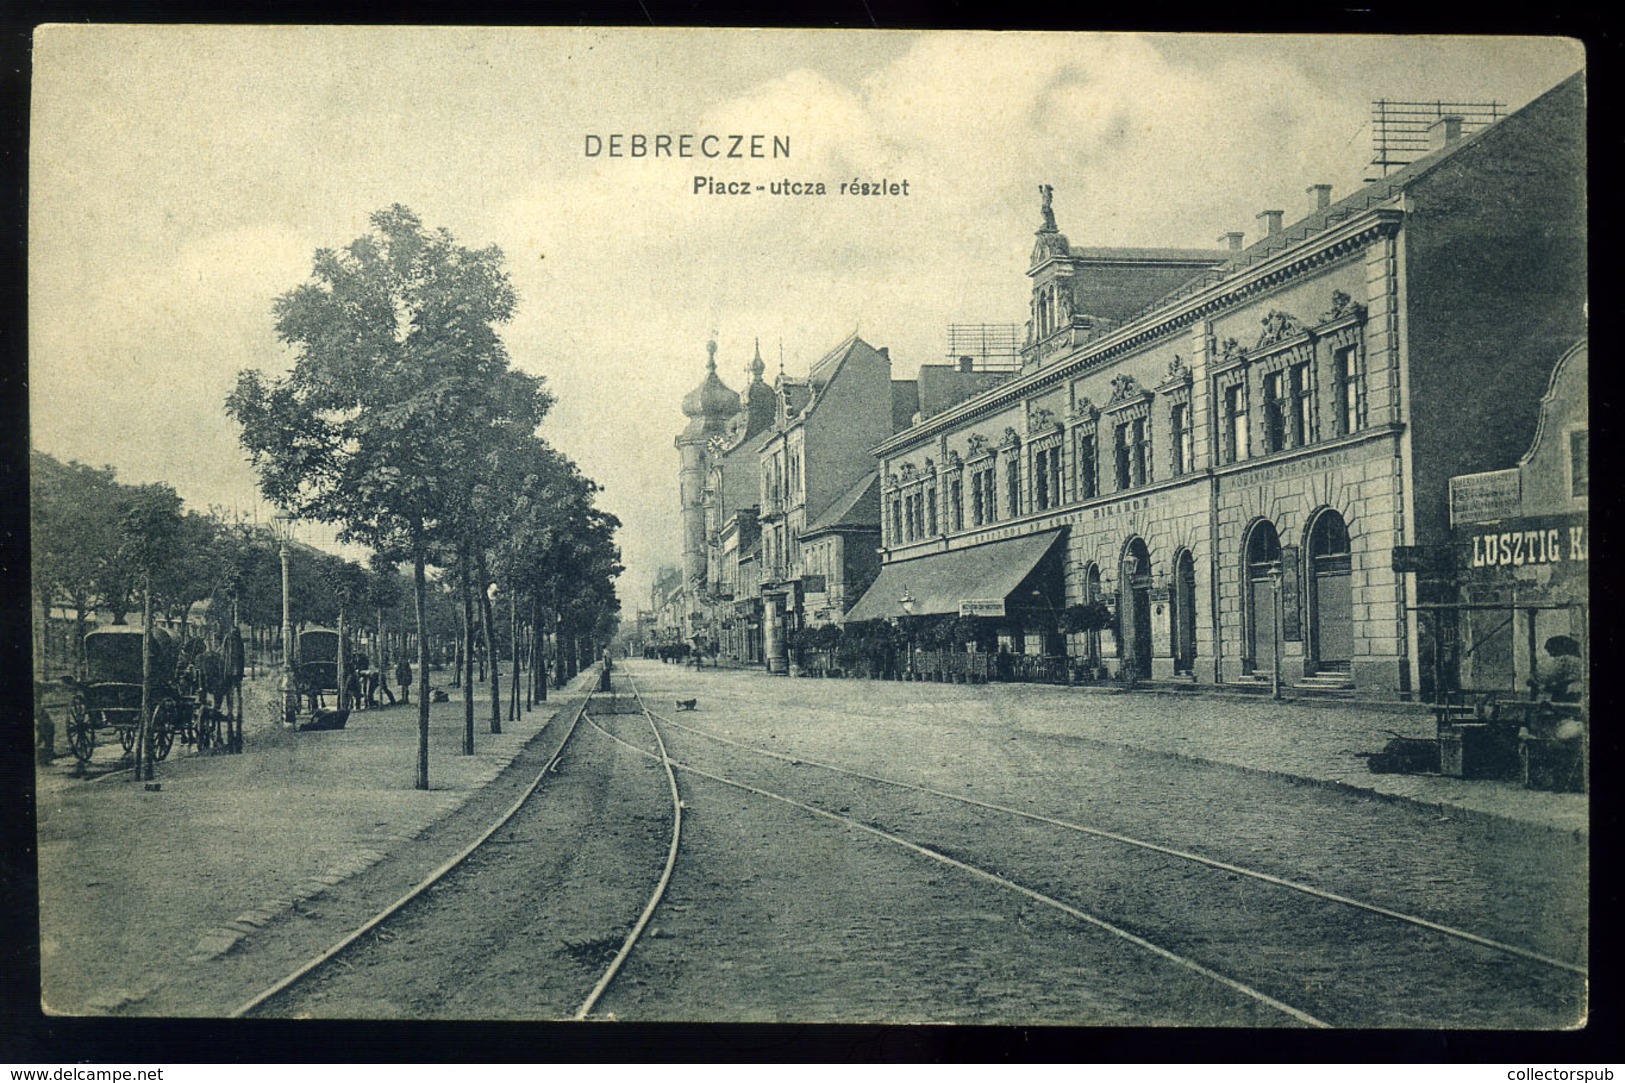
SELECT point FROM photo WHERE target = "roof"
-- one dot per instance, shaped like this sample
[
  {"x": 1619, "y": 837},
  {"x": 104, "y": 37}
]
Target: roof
[
  {"x": 1368, "y": 198},
  {"x": 825, "y": 367},
  {"x": 856, "y": 509},
  {"x": 1151, "y": 255},
  {"x": 1361, "y": 199},
  {"x": 940, "y": 582}
]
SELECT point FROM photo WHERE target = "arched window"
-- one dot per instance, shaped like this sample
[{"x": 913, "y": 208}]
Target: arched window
[
  {"x": 1259, "y": 594},
  {"x": 1331, "y": 602},
  {"x": 1182, "y": 615},
  {"x": 1134, "y": 609}
]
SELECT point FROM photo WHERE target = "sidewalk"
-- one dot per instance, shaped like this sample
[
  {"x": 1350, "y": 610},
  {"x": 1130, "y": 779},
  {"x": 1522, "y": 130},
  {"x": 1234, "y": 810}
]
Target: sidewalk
[
  {"x": 135, "y": 885},
  {"x": 1307, "y": 740}
]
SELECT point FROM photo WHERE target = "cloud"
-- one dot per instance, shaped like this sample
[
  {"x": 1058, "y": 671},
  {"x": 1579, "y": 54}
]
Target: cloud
[{"x": 182, "y": 177}]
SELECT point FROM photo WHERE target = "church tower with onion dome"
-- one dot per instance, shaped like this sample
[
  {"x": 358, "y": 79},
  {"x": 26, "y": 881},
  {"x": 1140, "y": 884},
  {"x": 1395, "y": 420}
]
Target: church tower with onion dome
[{"x": 709, "y": 408}]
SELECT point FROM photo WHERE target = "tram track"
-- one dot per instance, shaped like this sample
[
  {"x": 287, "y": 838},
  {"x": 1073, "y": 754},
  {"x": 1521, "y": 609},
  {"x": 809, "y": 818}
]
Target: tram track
[
  {"x": 340, "y": 960},
  {"x": 982, "y": 874},
  {"x": 1474, "y": 952}
]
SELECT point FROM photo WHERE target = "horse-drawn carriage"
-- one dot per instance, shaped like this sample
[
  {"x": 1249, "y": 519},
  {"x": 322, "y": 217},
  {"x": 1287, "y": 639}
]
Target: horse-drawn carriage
[
  {"x": 109, "y": 698},
  {"x": 317, "y": 674}
]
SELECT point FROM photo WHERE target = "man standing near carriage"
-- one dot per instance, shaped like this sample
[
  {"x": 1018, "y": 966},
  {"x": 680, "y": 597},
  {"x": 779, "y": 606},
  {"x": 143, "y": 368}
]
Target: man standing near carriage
[
  {"x": 403, "y": 677},
  {"x": 232, "y": 649}
]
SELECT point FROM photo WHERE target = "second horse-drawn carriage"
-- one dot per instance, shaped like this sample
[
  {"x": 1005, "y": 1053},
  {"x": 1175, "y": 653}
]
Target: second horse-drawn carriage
[
  {"x": 109, "y": 697},
  {"x": 317, "y": 674}
]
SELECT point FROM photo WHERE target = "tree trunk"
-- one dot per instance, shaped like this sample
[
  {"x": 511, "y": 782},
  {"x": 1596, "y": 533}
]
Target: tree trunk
[
  {"x": 344, "y": 685},
  {"x": 538, "y": 674},
  {"x": 513, "y": 647},
  {"x": 143, "y": 737},
  {"x": 488, "y": 625},
  {"x": 468, "y": 657},
  {"x": 420, "y": 601}
]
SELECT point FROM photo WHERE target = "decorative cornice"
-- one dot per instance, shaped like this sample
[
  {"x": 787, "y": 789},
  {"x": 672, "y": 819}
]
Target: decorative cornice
[
  {"x": 1343, "y": 307},
  {"x": 1179, "y": 375},
  {"x": 1329, "y": 245},
  {"x": 1126, "y": 392},
  {"x": 1040, "y": 419},
  {"x": 1278, "y": 327}
]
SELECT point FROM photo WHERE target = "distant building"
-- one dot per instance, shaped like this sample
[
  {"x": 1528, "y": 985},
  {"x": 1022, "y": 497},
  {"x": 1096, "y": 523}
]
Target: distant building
[{"x": 1241, "y": 452}]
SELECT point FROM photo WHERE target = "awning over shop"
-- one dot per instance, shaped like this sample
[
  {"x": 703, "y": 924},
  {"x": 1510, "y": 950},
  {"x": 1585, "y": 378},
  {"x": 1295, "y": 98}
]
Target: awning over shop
[{"x": 943, "y": 582}]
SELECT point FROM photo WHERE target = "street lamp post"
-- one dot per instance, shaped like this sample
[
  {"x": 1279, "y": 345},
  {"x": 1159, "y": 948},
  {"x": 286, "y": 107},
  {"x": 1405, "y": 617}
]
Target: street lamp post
[
  {"x": 285, "y": 684},
  {"x": 1276, "y": 578},
  {"x": 907, "y": 602}
]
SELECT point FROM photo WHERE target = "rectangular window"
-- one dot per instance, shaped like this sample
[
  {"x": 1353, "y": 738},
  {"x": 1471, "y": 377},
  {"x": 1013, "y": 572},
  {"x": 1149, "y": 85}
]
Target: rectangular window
[
  {"x": 1047, "y": 478},
  {"x": 1579, "y": 463},
  {"x": 930, "y": 512},
  {"x": 1235, "y": 423},
  {"x": 1181, "y": 417},
  {"x": 956, "y": 504},
  {"x": 1274, "y": 412},
  {"x": 981, "y": 484},
  {"x": 1347, "y": 387},
  {"x": 1012, "y": 485},
  {"x": 1088, "y": 471},
  {"x": 1131, "y": 454},
  {"x": 1141, "y": 446},
  {"x": 1303, "y": 419},
  {"x": 896, "y": 520}
]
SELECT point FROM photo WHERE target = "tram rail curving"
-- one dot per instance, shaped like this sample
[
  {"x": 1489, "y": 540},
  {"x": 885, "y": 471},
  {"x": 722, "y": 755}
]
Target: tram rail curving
[
  {"x": 980, "y": 873},
  {"x": 298, "y": 976},
  {"x": 1167, "y": 851}
]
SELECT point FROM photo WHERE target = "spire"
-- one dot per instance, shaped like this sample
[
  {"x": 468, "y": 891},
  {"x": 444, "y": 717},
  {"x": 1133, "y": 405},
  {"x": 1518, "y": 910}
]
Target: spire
[
  {"x": 711, "y": 402},
  {"x": 1046, "y": 193},
  {"x": 757, "y": 365}
]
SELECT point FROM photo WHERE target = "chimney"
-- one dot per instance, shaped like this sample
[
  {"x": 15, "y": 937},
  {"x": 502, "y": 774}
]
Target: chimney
[
  {"x": 1232, "y": 240},
  {"x": 1320, "y": 197},
  {"x": 966, "y": 362},
  {"x": 884, "y": 351},
  {"x": 1272, "y": 221},
  {"x": 1443, "y": 132}
]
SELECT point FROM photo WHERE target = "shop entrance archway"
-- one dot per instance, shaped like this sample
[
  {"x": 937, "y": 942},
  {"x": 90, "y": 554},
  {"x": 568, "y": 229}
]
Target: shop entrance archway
[
  {"x": 1134, "y": 609},
  {"x": 1182, "y": 615},
  {"x": 1263, "y": 567},
  {"x": 1331, "y": 601}
]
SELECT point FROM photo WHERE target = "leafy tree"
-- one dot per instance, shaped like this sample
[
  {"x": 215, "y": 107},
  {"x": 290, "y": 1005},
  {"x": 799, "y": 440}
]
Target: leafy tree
[
  {"x": 399, "y": 381},
  {"x": 149, "y": 532},
  {"x": 75, "y": 511}
]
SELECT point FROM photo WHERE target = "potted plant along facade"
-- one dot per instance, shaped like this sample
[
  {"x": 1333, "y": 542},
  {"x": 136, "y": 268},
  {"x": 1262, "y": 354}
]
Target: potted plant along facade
[{"x": 1086, "y": 617}]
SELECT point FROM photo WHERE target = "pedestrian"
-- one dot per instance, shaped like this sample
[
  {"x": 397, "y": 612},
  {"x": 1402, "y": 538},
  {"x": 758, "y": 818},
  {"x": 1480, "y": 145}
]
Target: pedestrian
[
  {"x": 403, "y": 677},
  {"x": 380, "y": 680}
]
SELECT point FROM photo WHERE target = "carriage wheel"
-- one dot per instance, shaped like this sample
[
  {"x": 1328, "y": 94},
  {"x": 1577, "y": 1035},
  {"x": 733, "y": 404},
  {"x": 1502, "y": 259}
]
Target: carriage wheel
[
  {"x": 207, "y": 728},
  {"x": 166, "y": 722},
  {"x": 162, "y": 741},
  {"x": 126, "y": 738},
  {"x": 81, "y": 730}
]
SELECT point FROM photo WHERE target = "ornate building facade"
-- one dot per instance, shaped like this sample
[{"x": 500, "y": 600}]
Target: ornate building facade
[{"x": 1242, "y": 451}]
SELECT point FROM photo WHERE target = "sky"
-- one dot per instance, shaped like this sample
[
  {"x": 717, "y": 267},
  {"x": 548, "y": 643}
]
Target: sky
[{"x": 181, "y": 179}]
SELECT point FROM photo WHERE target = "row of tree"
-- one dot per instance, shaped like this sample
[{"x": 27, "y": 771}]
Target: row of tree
[
  {"x": 404, "y": 425},
  {"x": 89, "y": 557}
]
